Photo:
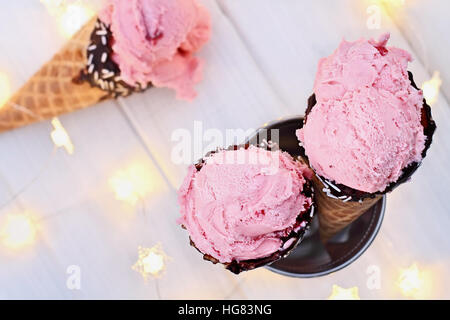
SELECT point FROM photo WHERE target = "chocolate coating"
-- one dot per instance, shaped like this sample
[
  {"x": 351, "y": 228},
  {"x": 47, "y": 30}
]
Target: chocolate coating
[{"x": 101, "y": 71}]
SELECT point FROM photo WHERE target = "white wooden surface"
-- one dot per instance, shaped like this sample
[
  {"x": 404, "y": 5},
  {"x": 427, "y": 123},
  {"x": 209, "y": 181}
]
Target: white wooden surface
[{"x": 261, "y": 63}]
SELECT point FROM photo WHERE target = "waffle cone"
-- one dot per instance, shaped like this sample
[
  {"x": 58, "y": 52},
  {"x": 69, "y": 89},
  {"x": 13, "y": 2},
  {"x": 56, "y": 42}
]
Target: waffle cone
[
  {"x": 334, "y": 214},
  {"x": 52, "y": 90}
]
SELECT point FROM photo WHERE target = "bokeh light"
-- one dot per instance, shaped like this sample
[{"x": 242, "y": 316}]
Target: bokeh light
[
  {"x": 339, "y": 293},
  {"x": 18, "y": 230},
  {"x": 415, "y": 282},
  {"x": 431, "y": 88},
  {"x": 132, "y": 184},
  {"x": 151, "y": 261},
  {"x": 5, "y": 88},
  {"x": 70, "y": 15},
  {"x": 60, "y": 137}
]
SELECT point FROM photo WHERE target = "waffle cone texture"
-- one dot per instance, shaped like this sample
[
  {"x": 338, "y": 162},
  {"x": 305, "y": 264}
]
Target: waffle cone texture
[
  {"x": 52, "y": 90},
  {"x": 335, "y": 214}
]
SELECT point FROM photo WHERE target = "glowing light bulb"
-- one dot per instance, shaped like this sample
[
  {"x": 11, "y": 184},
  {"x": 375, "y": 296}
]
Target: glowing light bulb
[
  {"x": 132, "y": 184},
  {"x": 396, "y": 3},
  {"x": 74, "y": 17},
  {"x": 339, "y": 293},
  {"x": 69, "y": 16},
  {"x": 60, "y": 137},
  {"x": 431, "y": 88},
  {"x": 414, "y": 283},
  {"x": 151, "y": 261},
  {"x": 19, "y": 230},
  {"x": 5, "y": 89}
]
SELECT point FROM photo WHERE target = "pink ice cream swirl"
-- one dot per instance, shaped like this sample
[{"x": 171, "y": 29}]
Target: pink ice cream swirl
[
  {"x": 154, "y": 42},
  {"x": 239, "y": 210},
  {"x": 366, "y": 125}
]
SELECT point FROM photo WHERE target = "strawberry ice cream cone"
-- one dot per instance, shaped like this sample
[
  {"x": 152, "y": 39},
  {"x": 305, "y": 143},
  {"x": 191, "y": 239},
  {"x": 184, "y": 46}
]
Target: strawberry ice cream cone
[
  {"x": 246, "y": 214},
  {"x": 115, "y": 55},
  {"x": 366, "y": 130}
]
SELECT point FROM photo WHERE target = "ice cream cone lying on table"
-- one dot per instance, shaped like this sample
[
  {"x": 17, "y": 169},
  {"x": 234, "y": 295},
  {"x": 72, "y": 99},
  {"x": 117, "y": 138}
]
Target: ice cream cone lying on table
[{"x": 129, "y": 47}]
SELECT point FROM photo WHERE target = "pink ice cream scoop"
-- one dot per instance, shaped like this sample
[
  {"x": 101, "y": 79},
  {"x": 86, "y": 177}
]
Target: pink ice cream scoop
[
  {"x": 366, "y": 125},
  {"x": 154, "y": 41},
  {"x": 243, "y": 204}
]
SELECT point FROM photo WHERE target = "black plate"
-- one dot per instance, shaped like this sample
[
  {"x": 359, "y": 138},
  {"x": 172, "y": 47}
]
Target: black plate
[{"x": 312, "y": 258}]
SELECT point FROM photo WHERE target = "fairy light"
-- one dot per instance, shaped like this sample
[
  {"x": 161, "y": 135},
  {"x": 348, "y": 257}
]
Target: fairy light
[
  {"x": 75, "y": 16},
  {"x": 389, "y": 3},
  {"x": 395, "y": 3},
  {"x": 151, "y": 261},
  {"x": 5, "y": 88},
  {"x": 387, "y": 7},
  {"x": 60, "y": 137},
  {"x": 19, "y": 230},
  {"x": 339, "y": 293},
  {"x": 431, "y": 88},
  {"x": 414, "y": 282},
  {"x": 70, "y": 16},
  {"x": 132, "y": 184}
]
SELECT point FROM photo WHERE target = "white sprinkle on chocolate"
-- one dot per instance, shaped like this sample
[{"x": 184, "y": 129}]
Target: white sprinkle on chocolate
[
  {"x": 104, "y": 41},
  {"x": 107, "y": 74},
  {"x": 104, "y": 57},
  {"x": 92, "y": 47},
  {"x": 91, "y": 57},
  {"x": 312, "y": 212},
  {"x": 101, "y": 33},
  {"x": 333, "y": 186},
  {"x": 102, "y": 84},
  {"x": 91, "y": 69},
  {"x": 348, "y": 199},
  {"x": 329, "y": 194}
]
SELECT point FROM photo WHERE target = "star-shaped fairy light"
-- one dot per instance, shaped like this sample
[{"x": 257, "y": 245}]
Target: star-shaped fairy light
[
  {"x": 339, "y": 293},
  {"x": 60, "y": 137},
  {"x": 151, "y": 262},
  {"x": 415, "y": 282},
  {"x": 18, "y": 230},
  {"x": 431, "y": 88}
]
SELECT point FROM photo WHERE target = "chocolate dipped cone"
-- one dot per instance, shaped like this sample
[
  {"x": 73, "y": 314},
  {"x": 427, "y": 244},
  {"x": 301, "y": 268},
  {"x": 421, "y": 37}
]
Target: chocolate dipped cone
[
  {"x": 335, "y": 214},
  {"x": 52, "y": 90},
  {"x": 290, "y": 237}
]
